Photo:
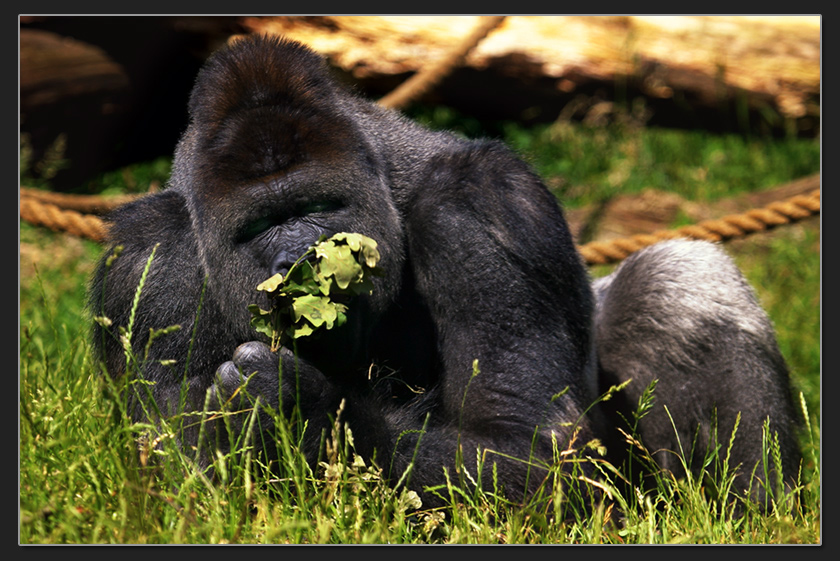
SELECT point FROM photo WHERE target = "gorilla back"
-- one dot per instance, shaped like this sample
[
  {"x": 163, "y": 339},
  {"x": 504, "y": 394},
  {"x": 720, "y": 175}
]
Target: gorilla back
[{"x": 478, "y": 263}]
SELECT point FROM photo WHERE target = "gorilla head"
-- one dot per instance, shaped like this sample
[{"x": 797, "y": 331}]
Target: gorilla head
[
  {"x": 269, "y": 164},
  {"x": 479, "y": 269}
]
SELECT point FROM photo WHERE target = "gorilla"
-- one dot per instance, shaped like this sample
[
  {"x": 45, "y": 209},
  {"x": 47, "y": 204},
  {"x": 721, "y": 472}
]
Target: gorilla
[{"x": 483, "y": 338}]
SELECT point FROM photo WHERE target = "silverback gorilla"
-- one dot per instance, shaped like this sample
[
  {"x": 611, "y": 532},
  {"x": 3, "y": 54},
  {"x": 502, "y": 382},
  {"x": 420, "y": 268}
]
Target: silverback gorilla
[{"x": 479, "y": 267}]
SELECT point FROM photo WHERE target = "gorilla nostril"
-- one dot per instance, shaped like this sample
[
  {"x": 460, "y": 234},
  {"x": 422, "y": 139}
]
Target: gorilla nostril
[
  {"x": 282, "y": 268},
  {"x": 281, "y": 264}
]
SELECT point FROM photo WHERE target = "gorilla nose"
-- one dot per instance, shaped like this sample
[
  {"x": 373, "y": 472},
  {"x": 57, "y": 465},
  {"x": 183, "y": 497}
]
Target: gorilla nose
[
  {"x": 281, "y": 267},
  {"x": 283, "y": 261}
]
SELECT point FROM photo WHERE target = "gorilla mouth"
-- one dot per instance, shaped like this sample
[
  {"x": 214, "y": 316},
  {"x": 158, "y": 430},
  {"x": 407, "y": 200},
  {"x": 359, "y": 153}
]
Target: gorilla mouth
[{"x": 316, "y": 292}]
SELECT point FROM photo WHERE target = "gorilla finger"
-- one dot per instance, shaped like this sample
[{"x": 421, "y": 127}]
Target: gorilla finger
[
  {"x": 229, "y": 377},
  {"x": 252, "y": 355}
]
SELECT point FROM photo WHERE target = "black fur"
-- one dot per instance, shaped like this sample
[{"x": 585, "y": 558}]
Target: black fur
[{"x": 479, "y": 265}]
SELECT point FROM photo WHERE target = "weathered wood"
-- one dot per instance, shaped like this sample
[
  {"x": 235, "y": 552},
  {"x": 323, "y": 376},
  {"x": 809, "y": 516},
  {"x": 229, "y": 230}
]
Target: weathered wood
[
  {"x": 770, "y": 62},
  {"x": 53, "y": 68}
]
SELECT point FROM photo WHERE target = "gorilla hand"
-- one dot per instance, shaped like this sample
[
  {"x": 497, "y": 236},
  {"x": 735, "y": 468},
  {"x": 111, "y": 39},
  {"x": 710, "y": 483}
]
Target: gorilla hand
[
  {"x": 256, "y": 377},
  {"x": 255, "y": 371}
]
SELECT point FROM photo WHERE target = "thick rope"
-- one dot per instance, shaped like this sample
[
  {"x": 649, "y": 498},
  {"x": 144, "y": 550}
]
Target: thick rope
[
  {"x": 720, "y": 229},
  {"x": 50, "y": 216},
  {"x": 795, "y": 208},
  {"x": 86, "y": 204}
]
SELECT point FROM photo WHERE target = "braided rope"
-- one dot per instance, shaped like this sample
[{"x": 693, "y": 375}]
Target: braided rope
[
  {"x": 50, "y": 216},
  {"x": 777, "y": 213},
  {"x": 720, "y": 229},
  {"x": 86, "y": 204}
]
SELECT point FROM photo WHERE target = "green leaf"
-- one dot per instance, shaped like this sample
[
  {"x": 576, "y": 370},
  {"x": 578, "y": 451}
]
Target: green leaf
[
  {"x": 271, "y": 284},
  {"x": 302, "y": 301},
  {"x": 263, "y": 322},
  {"x": 303, "y": 279},
  {"x": 340, "y": 263},
  {"x": 300, "y": 330},
  {"x": 314, "y": 308}
]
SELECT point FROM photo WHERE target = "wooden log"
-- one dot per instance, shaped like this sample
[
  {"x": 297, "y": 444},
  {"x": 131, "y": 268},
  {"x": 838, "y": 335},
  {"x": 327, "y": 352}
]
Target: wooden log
[
  {"x": 54, "y": 68},
  {"x": 769, "y": 62}
]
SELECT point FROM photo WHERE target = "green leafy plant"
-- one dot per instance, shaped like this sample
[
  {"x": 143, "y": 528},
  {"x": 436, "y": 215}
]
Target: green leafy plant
[{"x": 314, "y": 292}]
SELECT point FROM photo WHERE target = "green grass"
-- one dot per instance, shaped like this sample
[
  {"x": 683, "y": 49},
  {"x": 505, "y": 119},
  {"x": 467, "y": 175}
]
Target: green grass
[
  {"x": 81, "y": 480},
  {"x": 596, "y": 163}
]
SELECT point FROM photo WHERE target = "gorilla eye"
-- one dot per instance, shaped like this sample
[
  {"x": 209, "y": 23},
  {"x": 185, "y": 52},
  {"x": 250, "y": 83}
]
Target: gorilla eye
[
  {"x": 255, "y": 228},
  {"x": 315, "y": 207}
]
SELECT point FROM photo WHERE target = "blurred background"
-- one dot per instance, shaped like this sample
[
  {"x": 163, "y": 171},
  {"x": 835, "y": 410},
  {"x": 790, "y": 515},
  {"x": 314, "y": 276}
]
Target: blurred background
[{"x": 116, "y": 88}]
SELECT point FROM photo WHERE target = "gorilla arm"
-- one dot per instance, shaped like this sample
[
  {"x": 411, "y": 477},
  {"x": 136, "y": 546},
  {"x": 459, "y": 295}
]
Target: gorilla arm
[
  {"x": 494, "y": 263},
  {"x": 171, "y": 296},
  {"x": 199, "y": 355},
  {"x": 491, "y": 259}
]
